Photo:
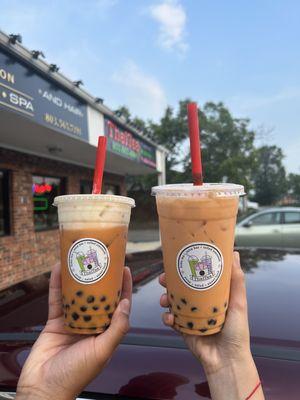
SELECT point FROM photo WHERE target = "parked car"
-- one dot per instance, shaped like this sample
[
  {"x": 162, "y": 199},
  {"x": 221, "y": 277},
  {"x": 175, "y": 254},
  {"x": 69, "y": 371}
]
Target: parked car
[
  {"x": 275, "y": 227},
  {"x": 153, "y": 362}
]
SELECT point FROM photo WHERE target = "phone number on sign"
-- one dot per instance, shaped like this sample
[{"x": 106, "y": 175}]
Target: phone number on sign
[{"x": 62, "y": 124}]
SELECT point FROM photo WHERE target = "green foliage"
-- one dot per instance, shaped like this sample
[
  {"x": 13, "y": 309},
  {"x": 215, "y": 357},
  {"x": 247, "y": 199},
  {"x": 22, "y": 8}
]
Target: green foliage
[
  {"x": 269, "y": 175},
  {"x": 293, "y": 182}
]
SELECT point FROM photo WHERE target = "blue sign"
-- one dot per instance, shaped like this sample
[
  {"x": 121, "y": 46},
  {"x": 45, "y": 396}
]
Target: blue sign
[{"x": 24, "y": 91}]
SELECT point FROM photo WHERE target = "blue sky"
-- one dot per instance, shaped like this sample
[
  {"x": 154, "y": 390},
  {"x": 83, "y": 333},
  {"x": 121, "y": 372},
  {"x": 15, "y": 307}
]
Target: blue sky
[{"x": 150, "y": 53}]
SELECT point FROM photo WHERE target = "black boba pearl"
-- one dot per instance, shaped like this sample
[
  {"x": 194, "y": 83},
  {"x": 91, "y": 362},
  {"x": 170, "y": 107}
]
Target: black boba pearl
[
  {"x": 212, "y": 322},
  {"x": 95, "y": 308},
  {"x": 89, "y": 266},
  {"x": 90, "y": 299},
  {"x": 67, "y": 306},
  {"x": 102, "y": 299},
  {"x": 83, "y": 308},
  {"x": 73, "y": 302},
  {"x": 202, "y": 273},
  {"x": 194, "y": 309},
  {"x": 107, "y": 307},
  {"x": 183, "y": 301},
  {"x": 190, "y": 325},
  {"x": 175, "y": 316},
  {"x": 87, "y": 318},
  {"x": 178, "y": 307},
  {"x": 172, "y": 296},
  {"x": 79, "y": 293},
  {"x": 203, "y": 330},
  {"x": 110, "y": 315},
  {"x": 75, "y": 316},
  {"x": 215, "y": 309}
]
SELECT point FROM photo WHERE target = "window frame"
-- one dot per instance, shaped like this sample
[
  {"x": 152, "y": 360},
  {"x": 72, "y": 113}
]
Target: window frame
[
  {"x": 267, "y": 212},
  {"x": 63, "y": 183},
  {"x": 6, "y": 202},
  {"x": 290, "y": 223}
]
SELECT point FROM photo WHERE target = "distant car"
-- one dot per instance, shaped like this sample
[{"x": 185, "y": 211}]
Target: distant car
[{"x": 275, "y": 227}]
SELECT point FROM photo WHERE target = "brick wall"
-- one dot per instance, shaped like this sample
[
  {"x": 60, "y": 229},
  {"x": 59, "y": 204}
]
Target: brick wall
[{"x": 26, "y": 253}]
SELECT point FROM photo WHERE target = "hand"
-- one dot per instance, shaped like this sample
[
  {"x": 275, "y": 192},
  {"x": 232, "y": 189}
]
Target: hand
[
  {"x": 61, "y": 364},
  {"x": 225, "y": 355}
]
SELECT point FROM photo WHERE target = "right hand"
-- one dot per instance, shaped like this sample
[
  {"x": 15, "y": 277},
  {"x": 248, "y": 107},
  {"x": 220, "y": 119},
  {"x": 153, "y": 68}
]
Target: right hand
[{"x": 225, "y": 352}]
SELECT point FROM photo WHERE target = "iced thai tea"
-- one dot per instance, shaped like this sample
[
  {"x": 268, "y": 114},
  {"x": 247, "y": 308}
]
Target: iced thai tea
[
  {"x": 93, "y": 235},
  {"x": 197, "y": 232}
]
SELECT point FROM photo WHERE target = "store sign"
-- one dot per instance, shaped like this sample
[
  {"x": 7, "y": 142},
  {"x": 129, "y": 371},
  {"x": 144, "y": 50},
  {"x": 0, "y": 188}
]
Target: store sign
[
  {"x": 25, "y": 91},
  {"x": 129, "y": 145}
]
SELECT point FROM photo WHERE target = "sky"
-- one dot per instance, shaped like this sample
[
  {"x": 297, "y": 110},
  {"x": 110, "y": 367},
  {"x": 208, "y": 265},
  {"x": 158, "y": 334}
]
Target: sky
[{"x": 148, "y": 54}]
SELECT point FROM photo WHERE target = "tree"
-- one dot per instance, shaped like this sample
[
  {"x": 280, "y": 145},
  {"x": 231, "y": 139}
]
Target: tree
[
  {"x": 269, "y": 175},
  {"x": 294, "y": 185},
  {"x": 228, "y": 152}
]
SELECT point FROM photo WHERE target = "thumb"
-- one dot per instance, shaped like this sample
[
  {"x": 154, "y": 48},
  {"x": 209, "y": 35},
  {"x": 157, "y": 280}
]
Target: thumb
[{"x": 118, "y": 328}]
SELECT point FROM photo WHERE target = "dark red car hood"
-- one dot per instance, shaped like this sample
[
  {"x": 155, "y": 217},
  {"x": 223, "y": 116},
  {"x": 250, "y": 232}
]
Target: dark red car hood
[{"x": 153, "y": 362}]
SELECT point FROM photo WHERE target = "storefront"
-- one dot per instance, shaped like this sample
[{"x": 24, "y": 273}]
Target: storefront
[{"x": 49, "y": 129}]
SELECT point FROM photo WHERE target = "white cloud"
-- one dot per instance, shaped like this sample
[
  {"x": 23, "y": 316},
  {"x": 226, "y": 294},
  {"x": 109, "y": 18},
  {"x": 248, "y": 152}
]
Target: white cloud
[
  {"x": 142, "y": 92},
  {"x": 171, "y": 18}
]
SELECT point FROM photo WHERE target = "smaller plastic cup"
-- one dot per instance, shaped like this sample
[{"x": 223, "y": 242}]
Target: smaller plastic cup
[
  {"x": 93, "y": 236},
  {"x": 197, "y": 232}
]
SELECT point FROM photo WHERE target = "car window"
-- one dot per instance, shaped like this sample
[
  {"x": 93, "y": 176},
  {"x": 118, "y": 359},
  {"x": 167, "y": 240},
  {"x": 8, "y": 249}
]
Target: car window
[
  {"x": 267, "y": 219},
  {"x": 292, "y": 217}
]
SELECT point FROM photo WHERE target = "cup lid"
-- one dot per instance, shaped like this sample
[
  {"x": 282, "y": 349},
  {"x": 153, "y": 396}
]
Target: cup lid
[
  {"x": 110, "y": 198},
  {"x": 205, "y": 190}
]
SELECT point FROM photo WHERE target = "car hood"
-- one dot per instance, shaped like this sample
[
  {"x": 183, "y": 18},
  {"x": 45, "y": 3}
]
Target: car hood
[{"x": 272, "y": 280}]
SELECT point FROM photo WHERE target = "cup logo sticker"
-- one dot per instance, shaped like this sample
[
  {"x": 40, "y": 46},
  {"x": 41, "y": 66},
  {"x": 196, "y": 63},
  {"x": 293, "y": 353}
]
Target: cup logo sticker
[
  {"x": 200, "y": 265},
  {"x": 88, "y": 260}
]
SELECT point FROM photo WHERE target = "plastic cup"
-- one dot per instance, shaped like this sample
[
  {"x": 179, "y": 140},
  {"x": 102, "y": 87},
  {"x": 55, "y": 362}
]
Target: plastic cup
[
  {"x": 93, "y": 235},
  {"x": 197, "y": 226}
]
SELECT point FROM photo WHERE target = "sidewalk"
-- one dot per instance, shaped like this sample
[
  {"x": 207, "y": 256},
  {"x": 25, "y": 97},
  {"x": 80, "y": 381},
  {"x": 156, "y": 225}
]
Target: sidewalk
[{"x": 143, "y": 240}]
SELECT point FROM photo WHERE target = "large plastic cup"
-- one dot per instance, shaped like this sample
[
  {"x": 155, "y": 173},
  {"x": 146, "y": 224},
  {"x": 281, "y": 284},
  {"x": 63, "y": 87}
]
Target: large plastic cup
[
  {"x": 93, "y": 236},
  {"x": 197, "y": 232}
]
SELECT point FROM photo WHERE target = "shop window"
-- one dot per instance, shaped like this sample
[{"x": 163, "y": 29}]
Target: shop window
[
  {"x": 44, "y": 189},
  {"x": 4, "y": 203},
  {"x": 86, "y": 187},
  {"x": 111, "y": 189}
]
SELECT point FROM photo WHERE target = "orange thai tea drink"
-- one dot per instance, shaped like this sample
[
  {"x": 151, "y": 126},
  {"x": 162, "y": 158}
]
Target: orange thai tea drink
[
  {"x": 93, "y": 236},
  {"x": 197, "y": 226}
]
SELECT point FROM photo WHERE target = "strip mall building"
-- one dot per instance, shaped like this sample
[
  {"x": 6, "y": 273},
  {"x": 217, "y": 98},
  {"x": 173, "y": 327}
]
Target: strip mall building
[{"x": 49, "y": 129}]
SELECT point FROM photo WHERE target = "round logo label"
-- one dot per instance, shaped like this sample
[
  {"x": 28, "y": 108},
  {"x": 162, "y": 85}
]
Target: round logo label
[
  {"x": 88, "y": 260},
  {"x": 200, "y": 265}
]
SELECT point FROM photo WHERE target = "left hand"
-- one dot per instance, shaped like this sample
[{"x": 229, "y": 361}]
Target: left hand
[{"x": 61, "y": 364}]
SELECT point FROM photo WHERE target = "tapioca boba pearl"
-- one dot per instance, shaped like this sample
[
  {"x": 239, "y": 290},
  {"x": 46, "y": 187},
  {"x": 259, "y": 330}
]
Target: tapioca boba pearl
[
  {"x": 190, "y": 325},
  {"x": 67, "y": 307},
  {"x": 83, "y": 308},
  {"x": 212, "y": 322},
  {"x": 178, "y": 307},
  {"x": 79, "y": 293},
  {"x": 215, "y": 309},
  {"x": 90, "y": 299},
  {"x": 175, "y": 316},
  {"x": 172, "y": 296},
  {"x": 103, "y": 298},
  {"x": 107, "y": 307},
  {"x": 183, "y": 301},
  {"x": 95, "y": 308},
  {"x": 73, "y": 302},
  {"x": 110, "y": 315},
  {"x": 87, "y": 318},
  {"x": 75, "y": 316},
  {"x": 193, "y": 309},
  {"x": 203, "y": 330}
]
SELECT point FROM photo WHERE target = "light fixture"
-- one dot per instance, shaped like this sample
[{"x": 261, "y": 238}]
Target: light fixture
[
  {"x": 78, "y": 83},
  {"x": 53, "y": 68},
  {"x": 13, "y": 39},
  {"x": 37, "y": 53}
]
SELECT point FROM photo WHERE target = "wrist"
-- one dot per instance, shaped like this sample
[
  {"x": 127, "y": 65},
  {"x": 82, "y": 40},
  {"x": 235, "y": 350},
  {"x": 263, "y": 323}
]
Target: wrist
[{"x": 235, "y": 379}]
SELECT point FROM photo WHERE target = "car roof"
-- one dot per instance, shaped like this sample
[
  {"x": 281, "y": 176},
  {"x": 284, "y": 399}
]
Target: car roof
[{"x": 296, "y": 209}]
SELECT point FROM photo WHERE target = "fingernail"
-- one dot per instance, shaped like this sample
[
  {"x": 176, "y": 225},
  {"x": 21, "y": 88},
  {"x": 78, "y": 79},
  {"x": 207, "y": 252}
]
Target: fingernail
[{"x": 125, "y": 306}]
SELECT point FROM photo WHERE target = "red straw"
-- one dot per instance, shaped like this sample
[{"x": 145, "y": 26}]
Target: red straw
[
  {"x": 99, "y": 167},
  {"x": 195, "y": 143}
]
